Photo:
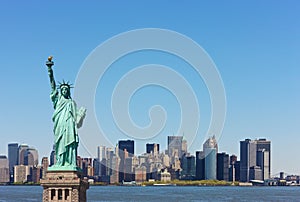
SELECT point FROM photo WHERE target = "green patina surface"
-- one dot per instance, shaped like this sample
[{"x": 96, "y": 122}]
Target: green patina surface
[{"x": 66, "y": 118}]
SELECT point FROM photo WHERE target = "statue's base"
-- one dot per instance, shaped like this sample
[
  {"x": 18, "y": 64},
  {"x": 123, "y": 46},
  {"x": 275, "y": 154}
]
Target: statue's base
[{"x": 64, "y": 185}]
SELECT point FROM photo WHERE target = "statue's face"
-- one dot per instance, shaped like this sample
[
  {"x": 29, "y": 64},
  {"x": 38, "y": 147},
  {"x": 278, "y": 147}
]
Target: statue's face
[{"x": 65, "y": 91}]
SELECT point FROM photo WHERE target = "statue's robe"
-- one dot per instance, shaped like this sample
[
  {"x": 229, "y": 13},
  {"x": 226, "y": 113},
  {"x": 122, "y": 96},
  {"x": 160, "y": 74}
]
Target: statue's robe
[{"x": 65, "y": 129}]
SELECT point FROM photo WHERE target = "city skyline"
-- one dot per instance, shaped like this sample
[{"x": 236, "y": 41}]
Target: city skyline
[
  {"x": 121, "y": 164},
  {"x": 175, "y": 144},
  {"x": 255, "y": 46}
]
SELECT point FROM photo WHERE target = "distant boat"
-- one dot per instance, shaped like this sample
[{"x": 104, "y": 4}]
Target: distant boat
[
  {"x": 257, "y": 182},
  {"x": 132, "y": 183},
  {"x": 164, "y": 184},
  {"x": 243, "y": 184}
]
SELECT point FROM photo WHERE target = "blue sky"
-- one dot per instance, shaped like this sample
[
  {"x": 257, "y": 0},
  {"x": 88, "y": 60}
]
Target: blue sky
[{"x": 254, "y": 44}]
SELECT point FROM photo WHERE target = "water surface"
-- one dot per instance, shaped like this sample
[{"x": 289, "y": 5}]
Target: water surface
[{"x": 172, "y": 194}]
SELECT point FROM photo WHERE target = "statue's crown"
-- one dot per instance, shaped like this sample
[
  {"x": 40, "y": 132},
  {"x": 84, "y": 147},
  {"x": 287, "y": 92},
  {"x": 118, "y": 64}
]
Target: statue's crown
[{"x": 65, "y": 84}]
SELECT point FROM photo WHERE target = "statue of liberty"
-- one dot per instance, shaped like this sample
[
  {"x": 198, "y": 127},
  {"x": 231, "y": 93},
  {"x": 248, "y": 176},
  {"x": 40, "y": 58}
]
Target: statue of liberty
[{"x": 66, "y": 119}]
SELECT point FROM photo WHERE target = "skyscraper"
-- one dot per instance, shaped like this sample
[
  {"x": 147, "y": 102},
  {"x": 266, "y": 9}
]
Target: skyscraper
[
  {"x": 52, "y": 156},
  {"x": 184, "y": 145},
  {"x": 36, "y": 174},
  {"x": 100, "y": 164},
  {"x": 263, "y": 161},
  {"x": 237, "y": 168},
  {"x": 87, "y": 166},
  {"x": 31, "y": 157},
  {"x": 255, "y": 155},
  {"x": 13, "y": 155},
  {"x": 247, "y": 158},
  {"x": 126, "y": 149},
  {"x": 22, "y": 154},
  {"x": 109, "y": 156},
  {"x": 130, "y": 164},
  {"x": 210, "y": 149},
  {"x": 28, "y": 155},
  {"x": 188, "y": 165},
  {"x": 255, "y": 173},
  {"x": 114, "y": 177},
  {"x": 103, "y": 163},
  {"x": 233, "y": 159},
  {"x": 45, "y": 165},
  {"x": 175, "y": 146},
  {"x": 234, "y": 169},
  {"x": 264, "y": 157},
  {"x": 154, "y": 148},
  {"x": 101, "y": 153},
  {"x": 200, "y": 165},
  {"x": 128, "y": 145},
  {"x": 223, "y": 166}
]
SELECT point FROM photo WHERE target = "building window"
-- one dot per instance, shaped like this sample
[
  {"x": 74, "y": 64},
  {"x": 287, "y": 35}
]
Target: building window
[
  {"x": 52, "y": 194},
  {"x": 60, "y": 194},
  {"x": 66, "y": 194}
]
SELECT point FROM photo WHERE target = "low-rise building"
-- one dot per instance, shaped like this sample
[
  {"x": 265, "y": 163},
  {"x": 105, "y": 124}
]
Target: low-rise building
[
  {"x": 140, "y": 174},
  {"x": 4, "y": 169},
  {"x": 22, "y": 174},
  {"x": 164, "y": 176}
]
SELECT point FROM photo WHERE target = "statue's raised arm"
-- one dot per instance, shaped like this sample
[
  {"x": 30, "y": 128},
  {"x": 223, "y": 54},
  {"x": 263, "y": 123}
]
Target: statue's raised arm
[{"x": 49, "y": 64}]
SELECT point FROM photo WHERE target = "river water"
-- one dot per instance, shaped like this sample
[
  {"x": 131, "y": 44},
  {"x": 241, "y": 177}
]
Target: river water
[{"x": 162, "y": 194}]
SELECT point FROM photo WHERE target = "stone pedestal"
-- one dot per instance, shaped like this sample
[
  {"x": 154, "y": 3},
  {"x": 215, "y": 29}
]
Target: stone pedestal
[{"x": 64, "y": 186}]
